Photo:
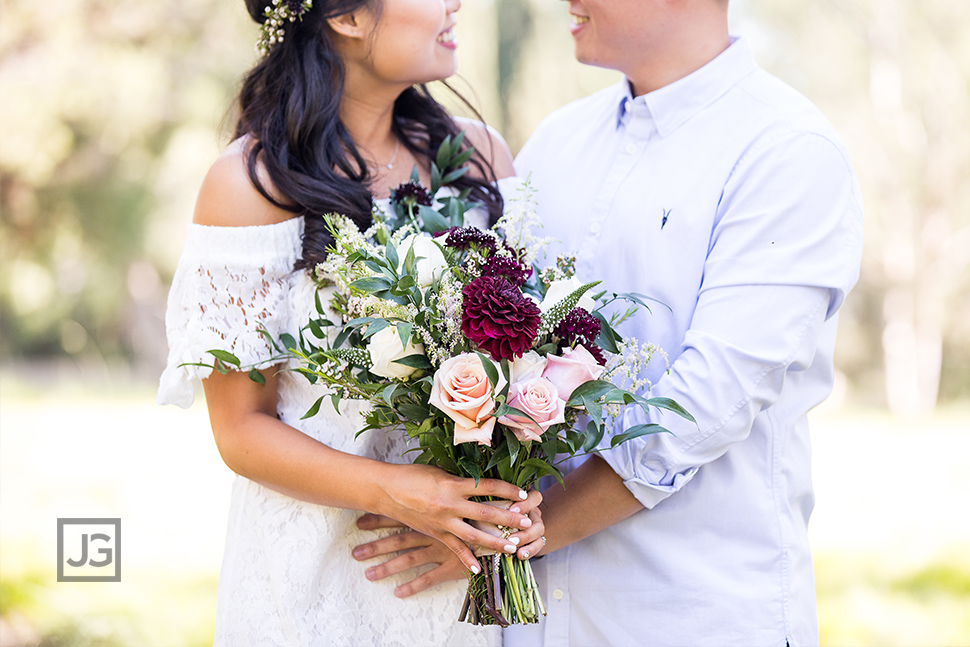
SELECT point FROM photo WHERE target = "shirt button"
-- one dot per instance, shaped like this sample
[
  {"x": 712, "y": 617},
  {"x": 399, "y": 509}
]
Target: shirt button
[
  {"x": 631, "y": 148},
  {"x": 558, "y": 594},
  {"x": 594, "y": 228}
]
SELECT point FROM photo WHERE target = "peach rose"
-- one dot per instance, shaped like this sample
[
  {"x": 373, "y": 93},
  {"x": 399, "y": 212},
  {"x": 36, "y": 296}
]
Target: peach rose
[
  {"x": 462, "y": 390},
  {"x": 575, "y": 366},
  {"x": 539, "y": 398}
]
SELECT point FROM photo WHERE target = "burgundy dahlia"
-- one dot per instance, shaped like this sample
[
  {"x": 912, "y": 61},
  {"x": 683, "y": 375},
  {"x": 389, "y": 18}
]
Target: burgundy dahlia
[
  {"x": 508, "y": 268},
  {"x": 464, "y": 237},
  {"x": 498, "y": 318},
  {"x": 411, "y": 193}
]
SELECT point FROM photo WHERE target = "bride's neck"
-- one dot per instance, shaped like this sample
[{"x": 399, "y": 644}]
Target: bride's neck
[{"x": 367, "y": 113}]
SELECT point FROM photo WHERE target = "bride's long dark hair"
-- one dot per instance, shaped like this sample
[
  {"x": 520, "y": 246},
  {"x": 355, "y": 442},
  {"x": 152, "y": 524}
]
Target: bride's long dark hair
[{"x": 289, "y": 104}]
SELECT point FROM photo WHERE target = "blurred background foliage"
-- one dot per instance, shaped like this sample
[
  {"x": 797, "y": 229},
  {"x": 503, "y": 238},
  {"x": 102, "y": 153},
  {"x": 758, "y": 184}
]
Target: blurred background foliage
[{"x": 115, "y": 108}]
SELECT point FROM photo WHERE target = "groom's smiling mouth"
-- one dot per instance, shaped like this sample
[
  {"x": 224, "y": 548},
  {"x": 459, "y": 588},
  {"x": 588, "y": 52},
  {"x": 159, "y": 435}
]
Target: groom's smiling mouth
[{"x": 578, "y": 22}]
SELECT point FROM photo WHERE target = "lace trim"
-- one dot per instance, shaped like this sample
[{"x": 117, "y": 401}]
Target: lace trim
[{"x": 229, "y": 282}]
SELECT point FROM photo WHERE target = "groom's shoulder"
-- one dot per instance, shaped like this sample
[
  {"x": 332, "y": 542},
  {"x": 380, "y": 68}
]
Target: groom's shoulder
[{"x": 781, "y": 106}]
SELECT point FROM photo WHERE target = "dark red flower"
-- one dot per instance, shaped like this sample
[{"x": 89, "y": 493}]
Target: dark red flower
[
  {"x": 411, "y": 193},
  {"x": 498, "y": 318},
  {"x": 464, "y": 237},
  {"x": 508, "y": 268},
  {"x": 579, "y": 326}
]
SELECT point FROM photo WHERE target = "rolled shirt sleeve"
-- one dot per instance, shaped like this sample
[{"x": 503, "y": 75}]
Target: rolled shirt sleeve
[{"x": 784, "y": 251}]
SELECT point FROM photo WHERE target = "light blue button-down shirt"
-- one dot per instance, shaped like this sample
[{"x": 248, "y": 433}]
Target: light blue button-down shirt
[{"x": 728, "y": 197}]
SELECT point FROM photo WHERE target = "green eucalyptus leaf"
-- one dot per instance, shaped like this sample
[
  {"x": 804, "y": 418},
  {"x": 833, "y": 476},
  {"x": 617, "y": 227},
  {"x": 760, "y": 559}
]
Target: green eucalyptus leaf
[
  {"x": 590, "y": 390},
  {"x": 471, "y": 468},
  {"x": 416, "y": 361},
  {"x": 388, "y": 394},
  {"x": 223, "y": 356},
  {"x": 635, "y": 432},
  {"x": 670, "y": 405},
  {"x": 256, "y": 376},
  {"x": 490, "y": 369},
  {"x": 451, "y": 176},
  {"x": 432, "y": 221},
  {"x": 312, "y": 411},
  {"x": 594, "y": 434},
  {"x": 404, "y": 329},
  {"x": 435, "y": 178},
  {"x": 371, "y": 284},
  {"x": 444, "y": 152},
  {"x": 375, "y": 327},
  {"x": 390, "y": 252},
  {"x": 607, "y": 339}
]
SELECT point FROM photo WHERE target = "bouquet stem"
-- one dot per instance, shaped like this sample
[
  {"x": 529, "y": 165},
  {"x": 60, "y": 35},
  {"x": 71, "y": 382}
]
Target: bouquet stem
[{"x": 503, "y": 593}]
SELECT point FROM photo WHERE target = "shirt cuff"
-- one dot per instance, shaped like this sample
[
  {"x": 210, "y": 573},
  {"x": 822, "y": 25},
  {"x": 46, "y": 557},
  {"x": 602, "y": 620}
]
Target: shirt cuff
[{"x": 649, "y": 486}]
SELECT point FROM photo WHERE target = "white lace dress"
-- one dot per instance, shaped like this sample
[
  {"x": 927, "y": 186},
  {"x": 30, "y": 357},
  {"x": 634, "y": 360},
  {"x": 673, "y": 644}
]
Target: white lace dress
[{"x": 288, "y": 578}]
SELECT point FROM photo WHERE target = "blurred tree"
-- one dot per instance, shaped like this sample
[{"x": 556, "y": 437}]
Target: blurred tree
[
  {"x": 514, "y": 30},
  {"x": 108, "y": 107},
  {"x": 894, "y": 76}
]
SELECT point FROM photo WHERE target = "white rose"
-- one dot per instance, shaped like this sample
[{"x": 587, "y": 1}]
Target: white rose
[
  {"x": 559, "y": 290},
  {"x": 432, "y": 263},
  {"x": 530, "y": 365},
  {"x": 384, "y": 348}
]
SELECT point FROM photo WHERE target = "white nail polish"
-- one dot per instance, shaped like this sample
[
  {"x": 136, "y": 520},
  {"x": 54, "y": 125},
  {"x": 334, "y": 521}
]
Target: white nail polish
[
  {"x": 523, "y": 495},
  {"x": 476, "y": 570},
  {"x": 525, "y": 554},
  {"x": 514, "y": 540},
  {"x": 510, "y": 548}
]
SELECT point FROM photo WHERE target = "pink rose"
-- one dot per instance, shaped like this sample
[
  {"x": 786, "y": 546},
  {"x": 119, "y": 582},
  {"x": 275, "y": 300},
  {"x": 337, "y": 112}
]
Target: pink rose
[
  {"x": 575, "y": 366},
  {"x": 462, "y": 390},
  {"x": 539, "y": 398}
]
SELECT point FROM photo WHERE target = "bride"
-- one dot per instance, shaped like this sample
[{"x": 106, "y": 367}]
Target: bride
[{"x": 332, "y": 117}]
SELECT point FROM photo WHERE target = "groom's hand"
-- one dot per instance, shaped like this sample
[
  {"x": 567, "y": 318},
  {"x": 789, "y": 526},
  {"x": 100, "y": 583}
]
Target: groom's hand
[{"x": 422, "y": 550}]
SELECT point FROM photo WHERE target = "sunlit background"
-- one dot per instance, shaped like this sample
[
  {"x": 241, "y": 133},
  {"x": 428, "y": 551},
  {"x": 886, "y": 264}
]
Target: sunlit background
[{"x": 112, "y": 110}]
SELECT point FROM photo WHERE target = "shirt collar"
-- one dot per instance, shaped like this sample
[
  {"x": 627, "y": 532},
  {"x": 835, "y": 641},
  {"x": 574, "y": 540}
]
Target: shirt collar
[{"x": 672, "y": 105}]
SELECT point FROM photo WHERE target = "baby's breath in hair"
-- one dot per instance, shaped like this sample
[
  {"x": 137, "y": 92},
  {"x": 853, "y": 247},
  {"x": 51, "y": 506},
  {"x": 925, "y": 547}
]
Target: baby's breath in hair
[{"x": 277, "y": 15}]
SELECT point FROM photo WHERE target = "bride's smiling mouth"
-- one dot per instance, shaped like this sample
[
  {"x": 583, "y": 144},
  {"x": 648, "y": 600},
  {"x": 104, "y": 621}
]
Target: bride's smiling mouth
[{"x": 448, "y": 38}]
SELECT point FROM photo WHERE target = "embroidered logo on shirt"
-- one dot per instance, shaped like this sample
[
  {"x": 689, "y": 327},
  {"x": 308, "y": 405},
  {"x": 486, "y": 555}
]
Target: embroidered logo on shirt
[{"x": 663, "y": 223}]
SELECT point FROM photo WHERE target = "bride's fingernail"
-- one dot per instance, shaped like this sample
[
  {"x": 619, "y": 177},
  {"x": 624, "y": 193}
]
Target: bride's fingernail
[
  {"x": 525, "y": 554},
  {"x": 523, "y": 495},
  {"x": 526, "y": 522},
  {"x": 476, "y": 570},
  {"x": 510, "y": 548},
  {"x": 369, "y": 573},
  {"x": 515, "y": 508},
  {"x": 514, "y": 540}
]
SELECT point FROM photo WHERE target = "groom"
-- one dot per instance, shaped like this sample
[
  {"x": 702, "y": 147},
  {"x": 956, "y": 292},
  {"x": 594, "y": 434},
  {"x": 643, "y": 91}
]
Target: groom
[
  {"x": 707, "y": 184},
  {"x": 703, "y": 182}
]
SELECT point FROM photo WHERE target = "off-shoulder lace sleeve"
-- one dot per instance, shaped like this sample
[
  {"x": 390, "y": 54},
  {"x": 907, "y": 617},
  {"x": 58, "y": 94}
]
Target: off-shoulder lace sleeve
[{"x": 229, "y": 282}]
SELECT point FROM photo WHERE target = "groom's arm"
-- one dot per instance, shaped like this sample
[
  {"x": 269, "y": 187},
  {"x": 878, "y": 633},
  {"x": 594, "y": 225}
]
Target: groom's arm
[{"x": 596, "y": 499}]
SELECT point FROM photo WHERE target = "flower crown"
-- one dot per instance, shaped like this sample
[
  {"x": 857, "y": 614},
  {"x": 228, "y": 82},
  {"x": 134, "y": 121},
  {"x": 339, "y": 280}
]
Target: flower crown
[{"x": 277, "y": 15}]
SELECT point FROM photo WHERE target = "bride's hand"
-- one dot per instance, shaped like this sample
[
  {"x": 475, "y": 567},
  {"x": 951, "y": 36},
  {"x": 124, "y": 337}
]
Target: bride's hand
[
  {"x": 437, "y": 504},
  {"x": 423, "y": 550}
]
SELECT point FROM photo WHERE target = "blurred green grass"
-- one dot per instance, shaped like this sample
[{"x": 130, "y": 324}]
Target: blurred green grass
[{"x": 892, "y": 550}]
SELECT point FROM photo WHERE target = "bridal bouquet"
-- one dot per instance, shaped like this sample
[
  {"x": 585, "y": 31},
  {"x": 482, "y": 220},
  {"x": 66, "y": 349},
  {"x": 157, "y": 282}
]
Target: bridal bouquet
[{"x": 486, "y": 361}]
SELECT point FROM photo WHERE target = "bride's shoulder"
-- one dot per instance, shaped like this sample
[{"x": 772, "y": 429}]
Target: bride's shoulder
[
  {"x": 228, "y": 197},
  {"x": 490, "y": 144}
]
